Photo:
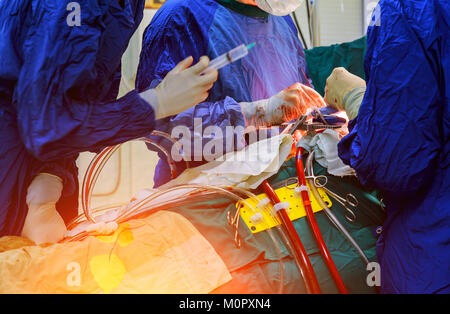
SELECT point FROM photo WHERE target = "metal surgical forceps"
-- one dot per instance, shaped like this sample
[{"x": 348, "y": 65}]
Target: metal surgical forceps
[{"x": 349, "y": 200}]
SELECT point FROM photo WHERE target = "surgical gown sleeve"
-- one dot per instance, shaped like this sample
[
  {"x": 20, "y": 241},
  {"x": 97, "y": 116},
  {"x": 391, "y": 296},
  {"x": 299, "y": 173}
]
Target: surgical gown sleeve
[
  {"x": 397, "y": 138},
  {"x": 61, "y": 98}
]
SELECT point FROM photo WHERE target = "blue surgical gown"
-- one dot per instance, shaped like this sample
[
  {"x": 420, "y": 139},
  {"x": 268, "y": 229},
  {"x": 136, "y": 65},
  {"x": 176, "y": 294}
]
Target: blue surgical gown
[
  {"x": 58, "y": 88},
  {"x": 399, "y": 143},
  {"x": 205, "y": 27}
]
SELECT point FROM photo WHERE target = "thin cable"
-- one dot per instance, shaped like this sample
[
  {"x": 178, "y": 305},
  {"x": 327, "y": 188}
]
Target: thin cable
[
  {"x": 91, "y": 175},
  {"x": 308, "y": 14},
  {"x": 314, "y": 227},
  {"x": 175, "y": 144},
  {"x": 98, "y": 162},
  {"x": 299, "y": 30}
]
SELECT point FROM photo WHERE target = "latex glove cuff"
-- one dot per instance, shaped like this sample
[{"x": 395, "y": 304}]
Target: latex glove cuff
[
  {"x": 263, "y": 112},
  {"x": 45, "y": 188},
  {"x": 352, "y": 101},
  {"x": 151, "y": 97}
]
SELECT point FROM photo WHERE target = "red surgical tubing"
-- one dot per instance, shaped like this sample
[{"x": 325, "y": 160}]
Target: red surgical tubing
[
  {"x": 308, "y": 272},
  {"x": 313, "y": 224}
]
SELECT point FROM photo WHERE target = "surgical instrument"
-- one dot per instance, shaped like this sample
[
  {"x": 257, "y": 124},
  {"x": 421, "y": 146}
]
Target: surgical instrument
[
  {"x": 330, "y": 214},
  {"x": 320, "y": 115},
  {"x": 350, "y": 199},
  {"x": 317, "y": 180},
  {"x": 301, "y": 124},
  {"x": 229, "y": 57}
]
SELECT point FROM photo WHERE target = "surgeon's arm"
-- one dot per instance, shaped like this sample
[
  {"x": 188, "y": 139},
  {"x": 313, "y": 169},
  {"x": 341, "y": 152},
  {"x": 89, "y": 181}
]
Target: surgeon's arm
[
  {"x": 59, "y": 113},
  {"x": 60, "y": 95},
  {"x": 64, "y": 127},
  {"x": 395, "y": 139}
]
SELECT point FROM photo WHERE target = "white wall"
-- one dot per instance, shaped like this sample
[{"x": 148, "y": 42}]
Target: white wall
[
  {"x": 338, "y": 21},
  {"x": 130, "y": 59}
]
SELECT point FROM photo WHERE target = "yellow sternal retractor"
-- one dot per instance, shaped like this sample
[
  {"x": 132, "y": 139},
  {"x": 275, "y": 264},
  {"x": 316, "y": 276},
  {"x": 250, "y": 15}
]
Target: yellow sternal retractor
[{"x": 266, "y": 217}]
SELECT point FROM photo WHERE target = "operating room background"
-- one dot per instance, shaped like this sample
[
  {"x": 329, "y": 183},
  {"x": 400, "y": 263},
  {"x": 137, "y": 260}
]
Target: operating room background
[{"x": 132, "y": 167}]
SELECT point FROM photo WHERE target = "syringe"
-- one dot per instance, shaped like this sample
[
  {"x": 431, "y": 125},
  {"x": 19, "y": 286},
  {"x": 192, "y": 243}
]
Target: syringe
[{"x": 231, "y": 56}]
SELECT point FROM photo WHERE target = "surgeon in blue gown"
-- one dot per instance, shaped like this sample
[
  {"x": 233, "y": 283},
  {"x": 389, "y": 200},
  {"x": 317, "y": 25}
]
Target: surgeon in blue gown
[
  {"x": 399, "y": 139},
  {"x": 213, "y": 27},
  {"x": 59, "y": 81}
]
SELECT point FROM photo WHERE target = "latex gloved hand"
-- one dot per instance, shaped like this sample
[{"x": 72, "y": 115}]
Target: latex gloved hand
[
  {"x": 182, "y": 88},
  {"x": 345, "y": 91},
  {"x": 43, "y": 223},
  {"x": 288, "y": 104}
]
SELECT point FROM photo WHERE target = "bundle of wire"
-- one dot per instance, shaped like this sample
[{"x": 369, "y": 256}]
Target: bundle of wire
[
  {"x": 160, "y": 200},
  {"x": 187, "y": 194},
  {"x": 99, "y": 161}
]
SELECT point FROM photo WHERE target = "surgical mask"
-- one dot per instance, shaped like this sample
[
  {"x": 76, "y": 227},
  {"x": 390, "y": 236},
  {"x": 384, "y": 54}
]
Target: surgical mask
[{"x": 278, "y": 7}]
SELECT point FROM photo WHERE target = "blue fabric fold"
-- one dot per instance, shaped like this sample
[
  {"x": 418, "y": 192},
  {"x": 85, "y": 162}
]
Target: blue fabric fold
[
  {"x": 58, "y": 89},
  {"x": 399, "y": 143}
]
